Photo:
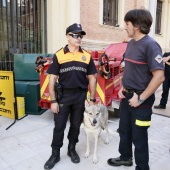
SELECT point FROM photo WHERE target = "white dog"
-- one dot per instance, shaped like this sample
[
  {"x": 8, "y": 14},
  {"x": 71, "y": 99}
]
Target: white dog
[{"x": 95, "y": 119}]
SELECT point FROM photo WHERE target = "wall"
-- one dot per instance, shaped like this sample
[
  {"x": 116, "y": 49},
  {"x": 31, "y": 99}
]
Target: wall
[
  {"x": 164, "y": 37},
  {"x": 60, "y": 14},
  {"x": 99, "y": 35}
]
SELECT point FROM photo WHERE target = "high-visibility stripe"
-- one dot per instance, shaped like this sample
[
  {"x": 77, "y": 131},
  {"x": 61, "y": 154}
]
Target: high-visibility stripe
[
  {"x": 109, "y": 85},
  {"x": 114, "y": 82},
  {"x": 142, "y": 123},
  {"x": 88, "y": 95},
  {"x": 100, "y": 92},
  {"x": 44, "y": 86},
  {"x": 134, "y": 61},
  {"x": 98, "y": 89},
  {"x": 49, "y": 98}
]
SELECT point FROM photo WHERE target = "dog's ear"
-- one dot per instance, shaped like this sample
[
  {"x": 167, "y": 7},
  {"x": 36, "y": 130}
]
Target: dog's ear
[
  {"x": 86, "y": 103},
  {"x": 99, "y": 104}
]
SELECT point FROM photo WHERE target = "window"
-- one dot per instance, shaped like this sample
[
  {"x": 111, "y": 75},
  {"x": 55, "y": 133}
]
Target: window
[
  {"x": 110, "y": 12},
  {"x": 21, "y": 29},
  {"x": 158, "y": 17}
]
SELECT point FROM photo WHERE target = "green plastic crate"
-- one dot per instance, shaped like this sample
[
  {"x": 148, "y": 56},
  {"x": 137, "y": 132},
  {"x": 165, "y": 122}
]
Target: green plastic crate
[
  {"x": 24, "y": 66},
  {"x": 30, "y": 90}
]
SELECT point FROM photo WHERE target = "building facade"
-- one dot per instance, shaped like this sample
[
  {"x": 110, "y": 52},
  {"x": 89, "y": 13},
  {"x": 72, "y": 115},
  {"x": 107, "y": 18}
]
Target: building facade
[
  {"x": 103, "y": 21},
  {"x": 38, "y": 26}
]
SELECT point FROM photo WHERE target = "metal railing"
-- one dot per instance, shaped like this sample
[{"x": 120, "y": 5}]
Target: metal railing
[{"x": 21, "y": 29}]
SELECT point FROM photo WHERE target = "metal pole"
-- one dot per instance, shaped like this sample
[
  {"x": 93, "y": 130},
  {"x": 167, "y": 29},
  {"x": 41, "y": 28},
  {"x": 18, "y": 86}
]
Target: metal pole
[
  {"x": 45, "y": 25},
  {"x": 13, "y": 29},
  {"x": 7, "y": 20},
  {"x": 21, "y": 27},
  {"x": 34, "y": 27}
]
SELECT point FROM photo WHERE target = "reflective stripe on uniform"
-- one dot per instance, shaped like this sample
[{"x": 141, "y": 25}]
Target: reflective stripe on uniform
[
  {"x": 143, "y": 123},
  {"x": 100, "y": 92}
]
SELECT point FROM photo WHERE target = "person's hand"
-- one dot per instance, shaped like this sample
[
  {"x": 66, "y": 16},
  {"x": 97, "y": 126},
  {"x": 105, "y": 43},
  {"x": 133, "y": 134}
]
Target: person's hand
[
  {"x": 120, "y": 93},
  {"x": 133, "y": 102},
  {"x": 55, "y": 108},
  {"x": 168, "y": 61}
]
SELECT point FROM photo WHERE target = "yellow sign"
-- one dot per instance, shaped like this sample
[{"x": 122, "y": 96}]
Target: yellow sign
[{"x": 7, "y": 98}]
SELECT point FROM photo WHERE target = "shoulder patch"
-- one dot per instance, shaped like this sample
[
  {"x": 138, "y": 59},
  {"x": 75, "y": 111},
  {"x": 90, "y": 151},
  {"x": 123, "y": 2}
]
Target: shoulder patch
[
  {"x": 158, "y": 58},
  {"x": 83, "y": 58}
]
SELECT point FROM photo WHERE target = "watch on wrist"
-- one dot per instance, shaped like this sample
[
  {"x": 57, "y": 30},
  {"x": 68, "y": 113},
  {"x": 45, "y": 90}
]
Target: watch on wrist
[
  {"x": 140, "y": 100},
  {"x": 93, "y": 100},
  {"x": 53, "y": 101}
]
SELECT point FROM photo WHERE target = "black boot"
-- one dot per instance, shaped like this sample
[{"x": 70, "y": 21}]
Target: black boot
[
  {"x": 72, "y": 153},
  {"x": 160, "y": 106},
  {"x": 54, "y": 158}
]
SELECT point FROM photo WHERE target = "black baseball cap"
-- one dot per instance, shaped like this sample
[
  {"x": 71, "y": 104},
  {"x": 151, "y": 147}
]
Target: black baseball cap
[{"x": 75, "y": 28}]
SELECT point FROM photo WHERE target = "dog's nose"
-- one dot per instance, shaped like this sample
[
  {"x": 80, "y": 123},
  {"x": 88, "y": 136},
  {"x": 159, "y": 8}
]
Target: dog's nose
[{"x": 94, "y": 121}]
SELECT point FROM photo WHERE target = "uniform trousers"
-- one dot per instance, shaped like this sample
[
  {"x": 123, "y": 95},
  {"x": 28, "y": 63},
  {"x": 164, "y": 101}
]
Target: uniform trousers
[
  {"x": 165, "y": 89},
  {"x": 133, "y": 125},
  {"x": 73, "y": 104}
]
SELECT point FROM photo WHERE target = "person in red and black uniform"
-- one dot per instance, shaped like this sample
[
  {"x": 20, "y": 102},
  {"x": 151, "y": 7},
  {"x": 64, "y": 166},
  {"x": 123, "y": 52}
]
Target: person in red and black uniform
[
  {"x": 143, "y": 74},
  {"x": 166, "y": 83},
  {"x": 74, "y": 69}
]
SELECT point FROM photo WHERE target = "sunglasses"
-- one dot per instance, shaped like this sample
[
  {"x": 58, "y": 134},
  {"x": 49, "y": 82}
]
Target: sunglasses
[{"x": 76, "y": 36}]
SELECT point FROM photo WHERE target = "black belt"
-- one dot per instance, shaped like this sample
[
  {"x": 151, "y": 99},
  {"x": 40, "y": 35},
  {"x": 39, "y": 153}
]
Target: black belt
[
  {"x": 132, "y": 91},
  {"x": 73, "y": 90}
]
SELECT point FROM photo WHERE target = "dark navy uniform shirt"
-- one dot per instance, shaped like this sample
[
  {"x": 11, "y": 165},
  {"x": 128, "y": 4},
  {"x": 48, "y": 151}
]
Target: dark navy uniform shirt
[
  {"x": 141, "y": 58},
  {"x": 72, "y": 68},
  {"x": 167, "y": 67}
]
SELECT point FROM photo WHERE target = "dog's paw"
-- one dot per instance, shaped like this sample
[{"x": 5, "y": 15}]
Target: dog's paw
[
  {"x": 95, "y": 161},
  {"x": 106, "y": 142},
  {"x": 86, "y": 155}
]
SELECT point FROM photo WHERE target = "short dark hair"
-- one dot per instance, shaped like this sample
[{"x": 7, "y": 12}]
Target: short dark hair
[{"x": 141, "y": 18}]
